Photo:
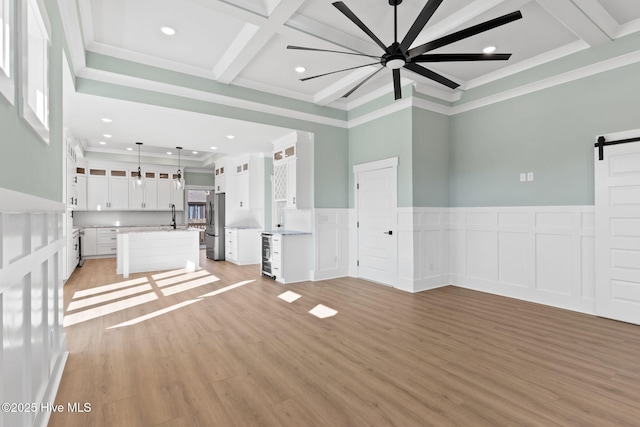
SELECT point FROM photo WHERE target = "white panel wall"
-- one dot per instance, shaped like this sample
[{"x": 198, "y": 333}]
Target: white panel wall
[
  {"x": 331, "y": 243},
  {"x": 540, "y": 254},
  {"x": 33, "y": 352},
  {"x": 423, "y": 248}
]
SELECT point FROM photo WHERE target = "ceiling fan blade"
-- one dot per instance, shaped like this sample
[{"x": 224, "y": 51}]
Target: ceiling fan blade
[
  {"x": 397, "y": 90},
  {"x": 463, "y": 34},
  {"x": 331, "y": 51},
  {"x": 431, "y": 75},
  {"x": 362, "y": 82},
  {"x": 453, "y": 57},
  {"x": 422, "y": 19},
  {"x": 338, "y": 71},
  {"x": 352, "y": 16}
]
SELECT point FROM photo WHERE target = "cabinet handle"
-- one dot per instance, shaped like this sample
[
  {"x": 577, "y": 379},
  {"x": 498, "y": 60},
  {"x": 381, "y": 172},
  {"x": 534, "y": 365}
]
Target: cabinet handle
[
  {"x": 294, "y": 200},
  {"x": 75, "y": 179},
  {"x": 71, "y": 200},
  {"x": 75, "y": 201}
]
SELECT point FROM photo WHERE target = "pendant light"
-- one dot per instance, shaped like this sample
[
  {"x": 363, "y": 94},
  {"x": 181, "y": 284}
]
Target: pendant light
[
  {"x": 178, "y": 183},
  {"x": 138, "y": 180}
]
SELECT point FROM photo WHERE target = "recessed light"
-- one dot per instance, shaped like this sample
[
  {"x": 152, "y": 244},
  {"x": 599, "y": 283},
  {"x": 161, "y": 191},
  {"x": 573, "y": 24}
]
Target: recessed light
[
  {"x": 489, "y": 49},
  {"x": 169, "y": 153},
  {"x": 103, "y": 143},
  {"x": 230, "y": 136},
  {"x": 168, "y": 31},
  {"x": 214, "y": 148},
  {"x": 129, "y": 149},
  {"x": 106, "y": 135},
  {"x": 106, "y": 120},
  {"x": 300, "y": 69},
  {"x": 194, "y": 152}
]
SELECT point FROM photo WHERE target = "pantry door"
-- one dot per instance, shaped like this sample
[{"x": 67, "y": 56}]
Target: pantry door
[
  {"x": 376, "y": 204},
  {"x": 617, "y": 197}
]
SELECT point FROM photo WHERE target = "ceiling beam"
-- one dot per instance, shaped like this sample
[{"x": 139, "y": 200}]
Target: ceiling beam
[
  {"x": 599, "y": 15},
  {"x": 576, "y": 20},
  {"x": 252, "y": 40}
]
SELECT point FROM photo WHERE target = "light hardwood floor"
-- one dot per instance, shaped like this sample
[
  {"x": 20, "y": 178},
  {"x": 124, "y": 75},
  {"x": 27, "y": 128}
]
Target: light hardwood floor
[{"x": 243, "y": 357}]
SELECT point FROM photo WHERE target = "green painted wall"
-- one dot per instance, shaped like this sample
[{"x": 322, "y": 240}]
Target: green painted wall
[
  {"x": 27, "y": 164},
  {"x": 430, "y": 157},
  {"x": 196, "y": 178},
  {"x": 550, "y": 133},
  {"x": 389, "y": 136}
]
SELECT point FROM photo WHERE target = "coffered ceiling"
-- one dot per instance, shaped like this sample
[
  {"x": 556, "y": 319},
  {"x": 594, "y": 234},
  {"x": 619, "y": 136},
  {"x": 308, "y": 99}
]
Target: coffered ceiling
[{"x": 243, "y": 43}]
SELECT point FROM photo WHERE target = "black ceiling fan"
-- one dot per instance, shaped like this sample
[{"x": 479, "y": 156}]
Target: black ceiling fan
[{"x": 401, "y": 55}]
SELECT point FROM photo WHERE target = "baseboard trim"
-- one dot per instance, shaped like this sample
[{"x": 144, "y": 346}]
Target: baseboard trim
[{"x": 42, "y": 419}]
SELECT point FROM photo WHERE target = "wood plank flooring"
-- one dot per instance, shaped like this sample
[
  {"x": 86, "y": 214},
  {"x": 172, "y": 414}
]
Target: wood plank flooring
[{"x": 243, "y": 357}]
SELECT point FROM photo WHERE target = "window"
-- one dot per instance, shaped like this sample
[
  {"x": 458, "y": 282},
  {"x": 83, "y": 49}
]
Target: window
[
  {"x": 6, "y": 49},
  {"x": 35, "y": 71}
]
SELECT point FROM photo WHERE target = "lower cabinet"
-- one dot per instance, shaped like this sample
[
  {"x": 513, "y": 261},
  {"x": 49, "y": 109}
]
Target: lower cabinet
[
  {"x": 242, "y": 245},
  {"x": 101, "y": 241},
  {"x": 291, "y": 257}
]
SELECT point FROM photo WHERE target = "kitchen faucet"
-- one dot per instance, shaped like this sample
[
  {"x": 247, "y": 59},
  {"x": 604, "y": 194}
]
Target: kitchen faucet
[{"x": 173, "y": 216}]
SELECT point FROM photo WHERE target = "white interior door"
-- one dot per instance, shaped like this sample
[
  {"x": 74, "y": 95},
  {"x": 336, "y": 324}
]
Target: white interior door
[
  {"x": 617, "y": 197},
  {"x": 376, "y": 198}
]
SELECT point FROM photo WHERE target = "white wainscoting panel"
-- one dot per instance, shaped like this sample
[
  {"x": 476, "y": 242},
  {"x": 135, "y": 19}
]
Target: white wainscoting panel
[
  {"x": 331, "y": 254},
  {"x": 33, "y": 353},
  {"x": 423, "y": 248},
  {"x": 539, "y": 254}
]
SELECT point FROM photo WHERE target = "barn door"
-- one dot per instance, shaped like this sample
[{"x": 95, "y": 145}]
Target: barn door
[{"x": 617, "y": 198}]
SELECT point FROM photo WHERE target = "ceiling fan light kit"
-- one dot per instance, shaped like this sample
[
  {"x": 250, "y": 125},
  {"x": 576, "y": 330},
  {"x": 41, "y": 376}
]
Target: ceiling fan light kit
[{"x": 400, "y": 55}]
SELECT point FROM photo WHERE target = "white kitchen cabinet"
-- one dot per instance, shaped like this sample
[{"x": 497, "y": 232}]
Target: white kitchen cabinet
[
  {"x": 292, "y": 175},
  {"x": 290, "y": 257},
  {"x": 248, "y": 189},
  {"x": 106, "y": 241},
  {"x": 145, "y": 198},
  {"x": 167, "y": 194},
  {"x": 89, "y": 244},
  {"x": 242, "y": 245},
  {"x": 99, "y": 241},
  {"x": 73, "y": 251},
  {"x": 107, "y": 189},
  {"x": 81, "y": 188},
  {"x": 220, "y": 177}
]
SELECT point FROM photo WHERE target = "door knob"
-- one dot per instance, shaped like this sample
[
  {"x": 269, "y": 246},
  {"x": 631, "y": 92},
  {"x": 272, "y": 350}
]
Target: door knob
[{"x": 390, "y": 232}]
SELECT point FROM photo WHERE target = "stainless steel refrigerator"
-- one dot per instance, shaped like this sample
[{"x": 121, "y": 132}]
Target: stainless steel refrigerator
[{"x": 214, "y": 234}]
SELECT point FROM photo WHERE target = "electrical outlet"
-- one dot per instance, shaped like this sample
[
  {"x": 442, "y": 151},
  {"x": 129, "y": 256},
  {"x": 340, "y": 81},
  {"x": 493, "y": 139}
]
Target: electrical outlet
[
  {"x": 523, "y": 177},
  {"x": 530, "y": 176}
]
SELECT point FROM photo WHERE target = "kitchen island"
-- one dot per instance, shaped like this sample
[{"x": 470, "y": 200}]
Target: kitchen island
[{"x": 143, "y": 249}]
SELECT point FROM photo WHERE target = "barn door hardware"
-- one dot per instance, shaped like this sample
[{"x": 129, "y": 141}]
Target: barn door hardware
[{"x": 602, "y": 143}]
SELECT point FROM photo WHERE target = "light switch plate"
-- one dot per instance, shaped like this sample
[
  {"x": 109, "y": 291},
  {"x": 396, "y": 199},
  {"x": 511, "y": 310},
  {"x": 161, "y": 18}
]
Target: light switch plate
[
  {"x": 530, "y": 176},
  {"x": 523, "y": 177}
]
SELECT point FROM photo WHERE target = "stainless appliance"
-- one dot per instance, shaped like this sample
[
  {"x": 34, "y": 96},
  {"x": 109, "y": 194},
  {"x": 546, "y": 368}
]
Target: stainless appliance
[
  {"x": 214, "y": 233},
  {"x": 267, "y": 247}
]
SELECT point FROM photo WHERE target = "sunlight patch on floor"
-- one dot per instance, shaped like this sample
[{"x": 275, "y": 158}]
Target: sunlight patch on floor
[
  {"x": 188, "y": 285},
  {"x": 182, "y": 278},
  {"x": 171, "y": 273},
  {"x": 110, "y": 287},
  {"x": 322, "y": 311},
  {"x": 99, "y": 299},
  {"x": 154, "y": 314},
  {"x": 227, "y": 288},
  {"x": 93, "y": 313},
  {"x": 289, "y": 296}
]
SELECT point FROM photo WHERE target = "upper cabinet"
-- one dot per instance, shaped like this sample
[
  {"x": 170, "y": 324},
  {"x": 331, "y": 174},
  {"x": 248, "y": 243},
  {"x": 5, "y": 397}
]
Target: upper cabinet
[
  {"x": 167, "y": 193},
  {"x": 220, "y": 176},
  {"x": 107, "y": 189},
  {"x": 249, "y": 182},
  {"x": 108, "y": 186},
  {"x": 145, "y": 198},
  {"x": 292, "y": 171}
]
